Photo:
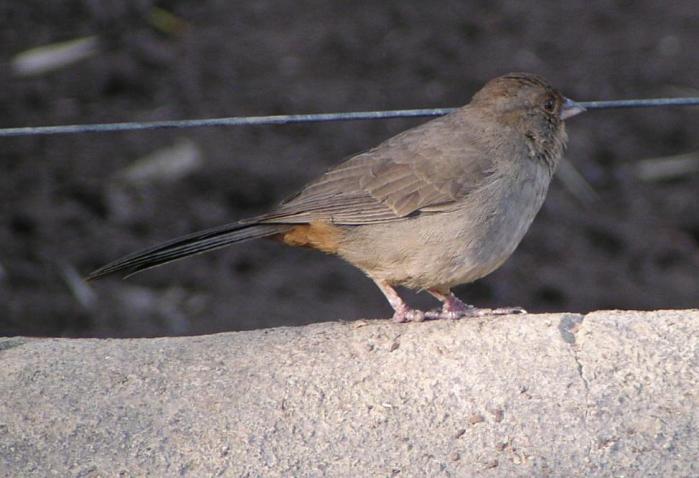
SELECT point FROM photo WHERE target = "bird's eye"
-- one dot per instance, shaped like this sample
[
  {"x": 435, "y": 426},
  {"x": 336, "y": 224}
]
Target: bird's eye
[{"x": 550, "y": 104}]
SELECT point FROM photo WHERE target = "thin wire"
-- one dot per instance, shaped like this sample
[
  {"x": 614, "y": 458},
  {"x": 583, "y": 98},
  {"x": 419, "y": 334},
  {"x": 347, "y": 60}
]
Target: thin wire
[
  {"x": 644, "y": 103},
  {"x": 232, "y": 121},
  {"x": 304, "y": 118}
]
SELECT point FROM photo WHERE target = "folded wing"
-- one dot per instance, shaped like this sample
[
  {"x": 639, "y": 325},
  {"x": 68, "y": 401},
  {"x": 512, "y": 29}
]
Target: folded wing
[{"x": 430, "y": 167}]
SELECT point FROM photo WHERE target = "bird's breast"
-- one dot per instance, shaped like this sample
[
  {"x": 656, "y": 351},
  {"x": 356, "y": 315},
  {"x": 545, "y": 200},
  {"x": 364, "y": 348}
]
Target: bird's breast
[{"x": 496, "y": 219}]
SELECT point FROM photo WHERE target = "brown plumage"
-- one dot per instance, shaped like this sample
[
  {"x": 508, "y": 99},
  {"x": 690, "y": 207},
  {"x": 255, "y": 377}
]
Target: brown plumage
[{"x": 438, "y": 205}]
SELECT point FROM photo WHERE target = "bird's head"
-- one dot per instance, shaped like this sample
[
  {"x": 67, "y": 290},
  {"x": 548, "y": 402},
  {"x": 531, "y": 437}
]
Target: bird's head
[{"x": 532, "y": 107}]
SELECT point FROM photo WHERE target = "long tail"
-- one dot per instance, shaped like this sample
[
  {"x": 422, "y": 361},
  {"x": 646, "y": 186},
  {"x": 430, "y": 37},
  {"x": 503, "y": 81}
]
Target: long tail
[{"x": 196, "y": 243}]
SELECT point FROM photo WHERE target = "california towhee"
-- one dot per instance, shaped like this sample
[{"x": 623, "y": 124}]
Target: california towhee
[{"x": 441, "y": 204}]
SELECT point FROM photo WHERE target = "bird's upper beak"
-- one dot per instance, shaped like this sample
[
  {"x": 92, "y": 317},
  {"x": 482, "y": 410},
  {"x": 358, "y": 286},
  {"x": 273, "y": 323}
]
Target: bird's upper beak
[{"x": 571, "y": 108}]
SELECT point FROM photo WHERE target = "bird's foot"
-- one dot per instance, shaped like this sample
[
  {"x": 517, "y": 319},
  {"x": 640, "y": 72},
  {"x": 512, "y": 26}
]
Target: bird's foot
[
  {"x": 507, "y": 311},
  {"x": 406, "y": 314},
  {"x": 452, "y": 309},
  {"x": 401, "y": 312},
  {"x": 471, "y": 311},
  {"x": 499, "y": 311},
  {"x": 453, "y": 312}
]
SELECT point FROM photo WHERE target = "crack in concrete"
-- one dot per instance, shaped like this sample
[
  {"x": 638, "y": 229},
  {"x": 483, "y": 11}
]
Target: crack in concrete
[
  {"x": 569, "y": 326},
  {"x": 586, "y": 384}
]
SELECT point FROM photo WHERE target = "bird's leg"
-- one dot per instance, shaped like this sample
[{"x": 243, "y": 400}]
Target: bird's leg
[
  {"x": 402, "y": 313},
  {"x": 454, "y": 308}
]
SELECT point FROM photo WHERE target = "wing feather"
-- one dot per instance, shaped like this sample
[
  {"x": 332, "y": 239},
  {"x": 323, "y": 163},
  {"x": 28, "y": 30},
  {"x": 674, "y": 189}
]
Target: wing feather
[{"x": 429, "y": 167}]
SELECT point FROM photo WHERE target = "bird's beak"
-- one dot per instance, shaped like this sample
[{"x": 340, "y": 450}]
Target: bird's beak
[{"x": 570, "y": 109}]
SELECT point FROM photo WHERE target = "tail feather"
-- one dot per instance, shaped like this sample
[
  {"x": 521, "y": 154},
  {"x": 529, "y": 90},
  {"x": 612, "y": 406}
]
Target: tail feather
[{"x": 196, "y": 243}]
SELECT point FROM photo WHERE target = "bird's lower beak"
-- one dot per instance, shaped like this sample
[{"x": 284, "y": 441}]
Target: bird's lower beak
[{"x": 570, "y": 109}]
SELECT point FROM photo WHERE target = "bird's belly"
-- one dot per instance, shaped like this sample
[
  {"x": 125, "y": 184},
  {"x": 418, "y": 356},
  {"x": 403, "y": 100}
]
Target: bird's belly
[{"x": 444, "y": 249}]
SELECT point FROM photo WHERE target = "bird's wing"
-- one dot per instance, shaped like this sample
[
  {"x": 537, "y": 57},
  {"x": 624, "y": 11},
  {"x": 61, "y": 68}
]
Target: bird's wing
[{"x": 430, "y": 167}]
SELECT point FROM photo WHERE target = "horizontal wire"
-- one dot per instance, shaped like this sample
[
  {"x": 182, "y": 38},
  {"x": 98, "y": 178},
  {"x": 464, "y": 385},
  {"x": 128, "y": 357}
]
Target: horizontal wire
[
  {"x": 231, "y": 121},
  {"x": 304, "y": 118},
  {"x": 643, "y": 103}
]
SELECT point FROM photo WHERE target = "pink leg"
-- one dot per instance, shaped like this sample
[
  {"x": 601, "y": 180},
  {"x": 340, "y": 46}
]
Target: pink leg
[
  {"x": 454, "y": 308},
  {"x": 402, "y": 313}
]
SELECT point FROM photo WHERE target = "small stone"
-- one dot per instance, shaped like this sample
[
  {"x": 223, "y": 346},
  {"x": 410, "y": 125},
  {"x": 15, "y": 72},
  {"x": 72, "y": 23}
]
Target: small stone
[
  {"x": 459, "y": 433},
  {"x": 498, "y": 414},
  {"x": 491, "y": 464},
  {"x": 454, "y": 456},
  {"x": 503, "y": 445},
  {"x": 476, "y": 418}
]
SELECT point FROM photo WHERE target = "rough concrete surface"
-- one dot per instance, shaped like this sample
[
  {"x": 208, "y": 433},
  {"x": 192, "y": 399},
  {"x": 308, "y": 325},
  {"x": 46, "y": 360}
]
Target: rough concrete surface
[{"x": 606, "y": 394}]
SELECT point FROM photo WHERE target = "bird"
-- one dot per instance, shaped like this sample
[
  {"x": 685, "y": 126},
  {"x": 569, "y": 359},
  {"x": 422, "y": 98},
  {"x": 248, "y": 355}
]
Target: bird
[{"x": 441, "y": 204}]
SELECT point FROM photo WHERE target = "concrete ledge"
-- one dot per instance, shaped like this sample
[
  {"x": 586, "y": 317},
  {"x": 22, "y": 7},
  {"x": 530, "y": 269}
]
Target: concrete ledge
[{"x": 606, "y": 394}]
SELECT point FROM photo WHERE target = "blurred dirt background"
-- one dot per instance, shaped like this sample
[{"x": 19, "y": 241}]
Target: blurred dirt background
[{"x": 72, "y": 203}]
